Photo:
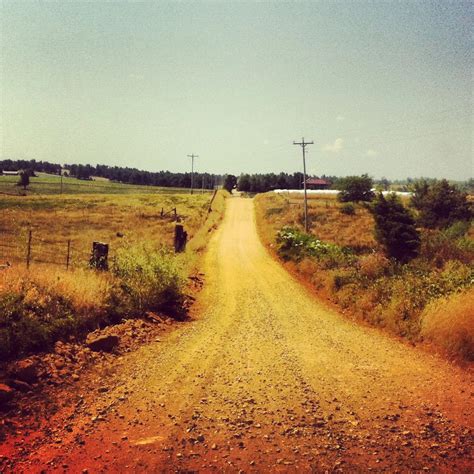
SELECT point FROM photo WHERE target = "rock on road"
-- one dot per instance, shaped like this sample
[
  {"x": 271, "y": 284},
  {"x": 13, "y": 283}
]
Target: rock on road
[{"x": 267, "y": 379}]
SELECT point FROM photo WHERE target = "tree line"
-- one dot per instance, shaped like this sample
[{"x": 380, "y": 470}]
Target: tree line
[{"x": 115, "y": 173}]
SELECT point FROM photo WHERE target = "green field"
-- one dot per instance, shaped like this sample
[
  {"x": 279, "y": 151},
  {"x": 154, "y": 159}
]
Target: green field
[{"x": 51, "y": 184}]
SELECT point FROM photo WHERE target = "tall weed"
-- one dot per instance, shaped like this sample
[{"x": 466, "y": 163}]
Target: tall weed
[
  {"x": 449, "y": 323},
  {"x": 146, "y": 279}
]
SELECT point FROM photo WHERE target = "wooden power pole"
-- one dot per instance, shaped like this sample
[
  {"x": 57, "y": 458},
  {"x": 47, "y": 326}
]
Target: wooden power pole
[
  {"x": 303, "y": 145},
  {"x": 192, "y": 170}
]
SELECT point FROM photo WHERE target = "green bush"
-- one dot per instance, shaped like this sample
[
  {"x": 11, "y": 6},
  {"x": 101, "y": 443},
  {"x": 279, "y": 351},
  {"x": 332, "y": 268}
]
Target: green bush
[
  {"x": 32, "y": 319},
  {"x": 439, "y": 247},
  {"x": 355, "y": 188},
  {"x": 146, "y": 279},
  {"x": 395, "y": 228},
  {"x": 348, "y": 209},
  {"x": 296, "y": 245},
  {"x": 440, "y": 205}
]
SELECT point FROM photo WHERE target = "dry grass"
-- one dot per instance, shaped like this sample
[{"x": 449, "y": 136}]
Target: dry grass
[
  {"x": 449, "y": 323},
  {"x": 369, "y": 286},
  {"x": 325, "y": 217},
  {"x": 87, "y": 218},
  {"x": 86, "y": 290},
  {"x": 46, "y": 303}
]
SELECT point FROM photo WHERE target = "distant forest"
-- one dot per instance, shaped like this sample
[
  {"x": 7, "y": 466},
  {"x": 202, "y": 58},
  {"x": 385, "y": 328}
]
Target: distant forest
[
  {"x": 254, "y": 183},
  {"x": 116, "y": 173}
]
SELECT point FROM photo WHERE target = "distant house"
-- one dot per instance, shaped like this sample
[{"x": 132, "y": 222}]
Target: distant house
[
  {"x": 317, "y": 183},
  {"x": 10, "y": 173}
]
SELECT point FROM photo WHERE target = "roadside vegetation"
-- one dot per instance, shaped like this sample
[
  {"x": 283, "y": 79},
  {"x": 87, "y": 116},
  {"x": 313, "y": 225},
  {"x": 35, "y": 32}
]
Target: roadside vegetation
[
  {"x": 48, "y": 303},
  {"x": 380, "y": 262}
]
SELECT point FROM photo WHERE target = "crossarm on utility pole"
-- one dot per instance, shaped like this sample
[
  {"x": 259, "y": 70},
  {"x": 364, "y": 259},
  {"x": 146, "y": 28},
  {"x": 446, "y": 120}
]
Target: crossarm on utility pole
[{"x": 303, "y": 145}]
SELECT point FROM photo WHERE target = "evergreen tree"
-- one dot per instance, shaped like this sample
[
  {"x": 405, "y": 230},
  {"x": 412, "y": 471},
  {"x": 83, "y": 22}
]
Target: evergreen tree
[
  {"x": 395, "y": 228},
  {"x": 440, "y": 205}
]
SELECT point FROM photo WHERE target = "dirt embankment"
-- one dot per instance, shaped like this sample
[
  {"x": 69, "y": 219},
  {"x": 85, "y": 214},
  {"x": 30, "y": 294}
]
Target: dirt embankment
[{"x": 264, "y": 379}]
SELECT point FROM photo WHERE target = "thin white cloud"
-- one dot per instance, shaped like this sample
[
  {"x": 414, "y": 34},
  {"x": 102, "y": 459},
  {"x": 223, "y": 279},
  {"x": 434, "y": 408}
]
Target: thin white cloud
[
  {"x": 340, "y": 118},
  {"x": 335, "y": 147},
  {"x": 371, "y": 152}
]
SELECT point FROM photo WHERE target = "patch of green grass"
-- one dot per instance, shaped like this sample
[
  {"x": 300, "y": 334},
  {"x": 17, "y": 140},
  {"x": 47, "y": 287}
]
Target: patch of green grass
[{"x": 50, "y": 184}]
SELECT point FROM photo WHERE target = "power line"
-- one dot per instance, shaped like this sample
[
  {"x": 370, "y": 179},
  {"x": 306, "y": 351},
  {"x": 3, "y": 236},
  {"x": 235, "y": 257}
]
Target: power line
[
  {"x": 303, "y": 145},
  {"x": 192, "y": 156}
]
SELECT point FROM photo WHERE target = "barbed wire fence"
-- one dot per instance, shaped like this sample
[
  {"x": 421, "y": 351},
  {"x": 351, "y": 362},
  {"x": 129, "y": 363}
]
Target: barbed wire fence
[{"x": 29, "y": 246}]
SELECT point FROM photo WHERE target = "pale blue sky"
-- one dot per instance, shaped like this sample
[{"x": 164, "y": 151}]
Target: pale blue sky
[{"x": 383, "y": 88}]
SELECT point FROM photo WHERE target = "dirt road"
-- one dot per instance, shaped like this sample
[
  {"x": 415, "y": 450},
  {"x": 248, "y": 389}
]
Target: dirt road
[{"x": 266, "y": 379}]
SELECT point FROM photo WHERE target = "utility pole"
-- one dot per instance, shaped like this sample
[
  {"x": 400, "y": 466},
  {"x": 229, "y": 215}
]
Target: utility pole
[
  {"x": 303, "y": 145},
  {"x": 192, "y": 170}
]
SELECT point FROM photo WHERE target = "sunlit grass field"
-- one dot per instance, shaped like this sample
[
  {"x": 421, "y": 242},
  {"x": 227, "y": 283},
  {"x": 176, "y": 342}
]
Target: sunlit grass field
[
  {"x": 51, "y": 184},
  {"x": 48, "y": 301},
  {"x": 324, "y": 216},
  {"x": 113, "y": 218}
]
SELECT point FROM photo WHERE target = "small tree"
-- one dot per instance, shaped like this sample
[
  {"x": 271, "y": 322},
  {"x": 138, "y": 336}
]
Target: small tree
[
  {"x": 355, "y": 188},
  {"x": 395, "y": 228},
  {"x": 244, "y": 183},
  {"x": 230, "y": 182},
  {"x": 24, "y": 179},
  {"x": 440, "y": 204}
]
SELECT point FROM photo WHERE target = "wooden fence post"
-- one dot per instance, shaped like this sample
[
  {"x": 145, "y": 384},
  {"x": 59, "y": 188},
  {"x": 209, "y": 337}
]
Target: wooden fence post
[
  {"x": 212, "y": 200},
  {"x": 175, "y": 214},
  {"x": 68, "y": 257},
  {"x": 99, "y": 257},
  {"x": 28, "y": 252},
  {"x": 180, "y": 238}
]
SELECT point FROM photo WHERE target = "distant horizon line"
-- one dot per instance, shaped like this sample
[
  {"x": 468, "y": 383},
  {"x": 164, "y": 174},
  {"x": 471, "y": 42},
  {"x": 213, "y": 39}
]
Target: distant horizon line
[{"x": 65, "y": 165}]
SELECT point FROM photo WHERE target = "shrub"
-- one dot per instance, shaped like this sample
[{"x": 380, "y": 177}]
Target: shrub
[
  {"x": 295, "y": 245},
  {"x": 448, "y": 323},
  {"x": 41, "y": 306},
  {"x": 147, "y": 279},
  {"x": 457, "y": 230},
  {"x": 32, "y": 319},
  {"x": 373, "y": 265},
  {"x": 355, "y": 188},
  {"x": 395, "y": 228},
  {"x": 230, "y": 181},
  {"x": 348, "y": 209},
  {"x": 440, "y": 205},
  {"x": 438, "y": 247}
]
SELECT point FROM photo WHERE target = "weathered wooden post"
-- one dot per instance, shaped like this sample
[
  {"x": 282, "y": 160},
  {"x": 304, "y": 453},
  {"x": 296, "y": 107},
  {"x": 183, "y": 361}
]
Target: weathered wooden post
[
  {"x": 28, "y": 250},
  {"x": 100, "y": 254},
  {"x": 68, "y": 256},
  {"x": 180, "y": 238}
]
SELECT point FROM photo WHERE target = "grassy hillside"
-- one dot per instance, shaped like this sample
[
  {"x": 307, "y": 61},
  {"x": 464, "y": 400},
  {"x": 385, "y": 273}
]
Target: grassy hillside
[
  {"x": 345, "y": 265},
  {"x": 84, "y": 218},
  {"x": 47, "y": 302},
  {"x": 51, "y": 184}
]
